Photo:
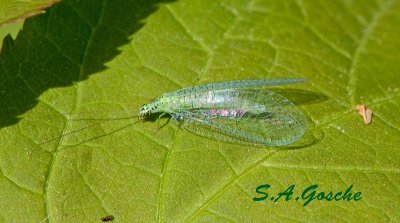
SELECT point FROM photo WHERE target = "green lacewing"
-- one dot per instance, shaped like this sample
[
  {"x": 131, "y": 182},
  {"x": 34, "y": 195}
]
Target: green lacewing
[{"x": 238, "y": 111}]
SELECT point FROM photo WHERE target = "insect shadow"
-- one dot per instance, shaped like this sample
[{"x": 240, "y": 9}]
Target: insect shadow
[
  {"x": 301, "y": 97},
  {"x": 157, "y": 117},
  {"x": 311, "y": 137}
]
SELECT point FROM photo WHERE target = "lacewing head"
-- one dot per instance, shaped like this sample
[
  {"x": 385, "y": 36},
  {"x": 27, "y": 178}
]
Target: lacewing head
[{"x": 144, "y": 111}]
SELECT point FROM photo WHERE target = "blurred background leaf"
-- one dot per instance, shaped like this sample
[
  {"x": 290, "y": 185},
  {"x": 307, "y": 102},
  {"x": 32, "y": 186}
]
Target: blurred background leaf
[
  {"x": 11, "y": 10},
  {"x": 98, "y": 56}
]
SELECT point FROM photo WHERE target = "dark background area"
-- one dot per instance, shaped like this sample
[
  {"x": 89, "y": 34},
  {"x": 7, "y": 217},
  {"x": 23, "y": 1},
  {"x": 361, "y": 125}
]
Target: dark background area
[{"x": 71, "y": 41}]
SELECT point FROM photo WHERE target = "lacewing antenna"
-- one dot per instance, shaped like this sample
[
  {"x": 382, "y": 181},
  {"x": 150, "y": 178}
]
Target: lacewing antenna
[{"x": 103, "y": 120}]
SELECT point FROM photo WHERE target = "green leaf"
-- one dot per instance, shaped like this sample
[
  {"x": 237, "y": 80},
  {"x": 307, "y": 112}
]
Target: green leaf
[
  {"x": 95, "y": 56},
  {"x": 11, "y": 10},
  {"x": 10, "y": 29}
]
